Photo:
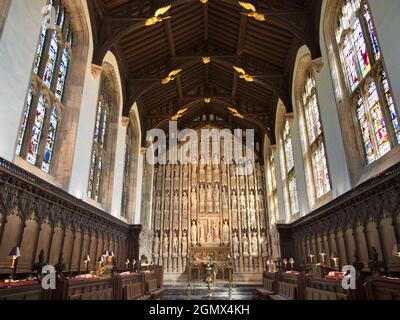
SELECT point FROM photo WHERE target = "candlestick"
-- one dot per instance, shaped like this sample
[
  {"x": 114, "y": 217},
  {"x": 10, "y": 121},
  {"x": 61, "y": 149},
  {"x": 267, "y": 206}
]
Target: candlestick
[
  {"x": 323, "y": 258},
  {"x": 291, "y": 261}
]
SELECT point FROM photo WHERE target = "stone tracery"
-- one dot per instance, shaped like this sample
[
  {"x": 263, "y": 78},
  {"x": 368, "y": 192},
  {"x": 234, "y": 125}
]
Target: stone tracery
[{"x": 210, "y": 206}]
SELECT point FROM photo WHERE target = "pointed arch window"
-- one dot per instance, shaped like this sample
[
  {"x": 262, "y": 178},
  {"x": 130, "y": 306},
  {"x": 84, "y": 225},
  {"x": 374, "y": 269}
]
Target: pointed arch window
[
  {"x": 315, "y": 138},
  {"x": 127, "y": 175},
  {"x": 100, "y": 138},
  {"x": 367, "y": 81},
  {"x": 288, "y": 171},
  {"x": 272, "y": 188},
  {"x": 44, "y": 102}
]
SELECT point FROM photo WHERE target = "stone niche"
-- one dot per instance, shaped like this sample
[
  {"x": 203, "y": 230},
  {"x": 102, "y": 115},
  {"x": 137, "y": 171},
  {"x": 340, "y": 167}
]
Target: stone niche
[{"x": 209, "y": 205}]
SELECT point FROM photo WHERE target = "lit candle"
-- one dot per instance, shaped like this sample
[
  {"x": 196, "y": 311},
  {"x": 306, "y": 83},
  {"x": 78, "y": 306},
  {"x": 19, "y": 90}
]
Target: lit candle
[
  {"x": 291, "y": 261},
  {"x": 285, "y": 262},
  {"x": 323, "y": 257}
]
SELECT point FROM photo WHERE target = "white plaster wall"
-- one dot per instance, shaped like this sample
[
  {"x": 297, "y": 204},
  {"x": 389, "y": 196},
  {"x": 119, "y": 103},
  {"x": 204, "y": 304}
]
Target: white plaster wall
[
  {"x": 17, "y": 52},
  {"x": 279, "y": 186},
  {"x": 339, "y": 171},
  {"x": 120, "y": 144},
  {"x": 135, "y": 217},
  {"x": 299, "y": 168},
  {"x": 340, "y": 180},
  {"x": 386, "y": 17},
  {"x": 86, "y": 124}
]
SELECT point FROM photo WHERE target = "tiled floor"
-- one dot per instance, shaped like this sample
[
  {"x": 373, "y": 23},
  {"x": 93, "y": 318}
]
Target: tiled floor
[{"x": 220, "y": 292}]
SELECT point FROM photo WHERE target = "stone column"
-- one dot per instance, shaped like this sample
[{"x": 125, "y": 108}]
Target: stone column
[{"x": 147, "y": 193}]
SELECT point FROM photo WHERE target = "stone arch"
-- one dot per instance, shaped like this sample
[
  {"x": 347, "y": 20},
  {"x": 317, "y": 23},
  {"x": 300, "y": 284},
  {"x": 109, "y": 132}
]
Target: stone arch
[{"x": 4, "y": 7}]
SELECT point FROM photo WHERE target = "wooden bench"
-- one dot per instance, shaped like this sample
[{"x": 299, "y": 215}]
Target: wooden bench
[
  {"x": 317, "y": 294},
  {"x": 106, "y": 294},
  {"x": 267, "y": 290},
  {"x": 286, "y": 291},
  {"x": 325, "y": 289},
  {"x": 133, "y": 291},
  {"x": 382, "y": 288},
  {"x": 153, "y": 291}
]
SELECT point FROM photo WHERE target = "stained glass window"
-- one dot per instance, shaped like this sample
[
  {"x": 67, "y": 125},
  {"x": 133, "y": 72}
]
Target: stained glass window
[
  {"x": 288, "y": 170},
  {"x": 126, "y": 178},
  {"x": 25, "y": 117},
  {"x": 40, "y": 120},
  {"x": 51, "y": 137},
  {"x": 365, "y": 74},
  {"x": 315, "y": 138},
  {"x": 272, "y": 188},
  {"x": 100, "y": 137},
  {"x": 390, "y": 103}
]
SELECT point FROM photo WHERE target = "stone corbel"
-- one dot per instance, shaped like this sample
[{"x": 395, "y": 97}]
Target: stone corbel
[
  {"x": 96, "y": 71},
  {"x": 317, "y": 64},
  {"x": 125, "y": 122}
]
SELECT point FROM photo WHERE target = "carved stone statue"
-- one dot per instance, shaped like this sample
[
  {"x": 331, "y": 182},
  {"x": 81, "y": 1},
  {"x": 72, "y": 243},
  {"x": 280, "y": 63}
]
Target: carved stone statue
[
  {"x": 184, "y": 245},
  {"x": 158, "y": 203},
  {"x": 216, "y": 174},
  {"x": 176, "y": 202},
  {"x": 185, "y": 174},
  {"x": 202, "y": 173},
  {"x": 251, "y": 181},
  {"x": 165, "y": 245},
  {"x": 264, "y": 245},
  {"x": 254, "y": 245},
  {"x": 209, "y": 199},
  {"x": 225, "y": 233},
  {"x": 224, "y": 176},
  {"x": 202, "y": 234},
  {"x": 193, "y": 233},
  {"x": 225, "y": 204},
  {"x": 242, "y": 182},
  {"x": 216, "y": 198},
  {"x": 235, "y": 246},
  {"x": 234, "y": 201},
  {"x": 252, "y": 201},
  {"x": 175, "y": 245},
  {"x": 167, "y": 202},
  {"x": 168, "y": 174},
  {"x": 245, "y": 243},
  {"x": 156, "y": 246},
  {"x": 242, "y": 202},
  {"x": 202, "y": 200},
  {"x": 185, "y": 203},
  {"x": 194, "y": 200},
  {"x": 176, "y": 178},
  {"x": 194, "y": 175},
  {"x": 260, "y": 200},
  {"x": 233, "y": 175}
]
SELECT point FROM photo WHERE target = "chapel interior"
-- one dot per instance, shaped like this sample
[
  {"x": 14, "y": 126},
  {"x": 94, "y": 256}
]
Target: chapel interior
[{"x": 315, "y": 84}]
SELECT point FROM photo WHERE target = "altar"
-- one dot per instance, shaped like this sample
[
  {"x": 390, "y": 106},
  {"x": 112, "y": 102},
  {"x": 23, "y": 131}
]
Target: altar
[{"x": 200, "y": 256}]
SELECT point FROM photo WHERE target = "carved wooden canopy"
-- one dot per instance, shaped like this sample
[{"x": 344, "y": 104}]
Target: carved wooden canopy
[{"x": 223, "y": 32}]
